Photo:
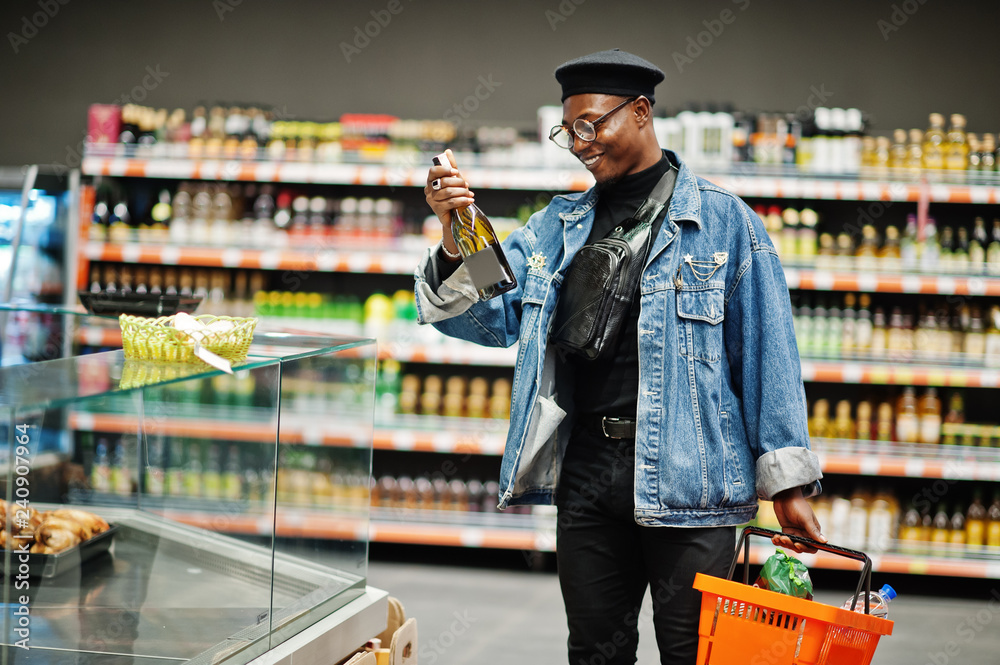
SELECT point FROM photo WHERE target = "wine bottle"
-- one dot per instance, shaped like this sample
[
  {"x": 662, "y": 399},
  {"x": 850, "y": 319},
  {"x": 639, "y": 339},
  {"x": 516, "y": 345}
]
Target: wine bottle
[{"x": 480, "y": 248}]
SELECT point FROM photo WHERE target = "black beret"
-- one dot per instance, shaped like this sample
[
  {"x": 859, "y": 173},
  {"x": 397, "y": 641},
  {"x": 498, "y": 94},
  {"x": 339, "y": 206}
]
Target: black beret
[{"x": 613, "y": 72}]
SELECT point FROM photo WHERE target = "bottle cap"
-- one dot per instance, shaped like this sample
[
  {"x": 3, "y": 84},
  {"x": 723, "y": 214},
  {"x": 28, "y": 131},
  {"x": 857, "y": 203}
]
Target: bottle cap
[{"x": 888, "y": 591}]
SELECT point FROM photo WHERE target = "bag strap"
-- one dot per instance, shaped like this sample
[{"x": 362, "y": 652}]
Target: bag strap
[{"x": 646, "y": 214}]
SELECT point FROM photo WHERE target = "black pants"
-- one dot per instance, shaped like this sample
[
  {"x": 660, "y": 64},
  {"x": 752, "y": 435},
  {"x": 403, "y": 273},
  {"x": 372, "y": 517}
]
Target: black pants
[{"x": 606, "y": 561}]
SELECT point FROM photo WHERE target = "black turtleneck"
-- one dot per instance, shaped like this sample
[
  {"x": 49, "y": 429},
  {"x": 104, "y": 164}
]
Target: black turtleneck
[{"x": 611, "y": 388}]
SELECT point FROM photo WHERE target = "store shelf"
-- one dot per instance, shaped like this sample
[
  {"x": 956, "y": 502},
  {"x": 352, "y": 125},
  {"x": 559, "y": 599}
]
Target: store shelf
[
  {"x": 743, "y": 179},
  {"x": 411, "y": 527},
  {"x": 871, "y": 458},
  {"x": 986, "y": 567},
  {"x": 318, "y": 259},
  {"x": 450, "y": 352},
  {"x": 876, "y": 282},
  {"x": 822, "y": 371},
  {"x": 417, "y": 433},
  {"x": 401, "y": 175}
]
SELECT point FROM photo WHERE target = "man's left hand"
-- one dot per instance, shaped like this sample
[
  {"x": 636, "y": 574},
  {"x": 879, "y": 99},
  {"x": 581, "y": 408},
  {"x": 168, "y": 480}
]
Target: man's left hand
[{"x": 796, "y": 517}]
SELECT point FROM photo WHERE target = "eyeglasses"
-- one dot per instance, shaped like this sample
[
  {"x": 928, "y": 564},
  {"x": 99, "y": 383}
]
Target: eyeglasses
[{"x": 585, "y": 129}]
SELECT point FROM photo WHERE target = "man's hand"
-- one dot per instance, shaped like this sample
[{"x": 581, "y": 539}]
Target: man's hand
[
  {"x": 446, "y": 190},
  {"x": 796, "y": 517}
]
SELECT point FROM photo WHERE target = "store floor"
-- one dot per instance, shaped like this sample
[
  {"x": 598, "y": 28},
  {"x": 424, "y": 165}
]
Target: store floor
[{"x": 471, "y": 616}]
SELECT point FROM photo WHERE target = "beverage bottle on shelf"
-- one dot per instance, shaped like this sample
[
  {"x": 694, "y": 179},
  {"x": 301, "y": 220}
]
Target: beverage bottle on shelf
[
  {"x": 477, "y": 403},
  {"x": 929, "y": 249},
  {"x": 808, "y": 220},
  {"x": 882, "y": 154},
  {"x": 211, "y": 478},
  {"x": 897, "y": 151},
  {"x": 881, "y": 522},
  {"x": 977, "y": 247},
  {"x": 193, "y": 470},
  {"x": 934, "y": 143},
  {"x": 993, "y": 526},
  {"x": 826, "y": 252},
  {"x": 907, "y": 419},
  {"x": 789, "y": 239},
  {"x": 848, "y": 333},
  {"x": 987, "y": 154},
  {"x": 121, "y": 476},
  {"x": 891, "y": 252},
  {"x": 857, "y": 521},
  {"x": 867, "y": 251},
  {"x": 100, "y": 471},
  {"x": 972, "y": 164},
  {"x": 819, "y": 424},
  {"x": 844, "y": 252},
  {"x": 222, "y": 226},
  {"x": 263, "y": 212},
  {"x": 479, "y": 246},
  {"x": 232, "y": 476},
  {"x": 975, "y": 337},
  {"x": 863, "y": 327},
  {"x": 896, "y": 336},
  {"x": 992, "y": 344},
  {"x": 834, "y": 333},
  {"x": 947, "y": 255},
  {"x": 864, "y": 428},
  {"x": 957, "y": 147},
  {"x": 954, "y": 417},
  {"x": 911, "y": 538},
  {"x": 915, "y": 151},
  {"x": 929, "y": 410},
  {"x": 816, "y": 343},
  {"x": 908, "y": 244},
  {"x": 941, "y": 527},
  {"x": 993, "y": 250},
  {"x": 956, "y": 535},
  {"x": 975, "y": 522},
  {"x": 843, "y": 425},
  {"x": 878, "y": 602},
  {"x": 960, "y": 255},
  {"x": 879, "y": 347}
]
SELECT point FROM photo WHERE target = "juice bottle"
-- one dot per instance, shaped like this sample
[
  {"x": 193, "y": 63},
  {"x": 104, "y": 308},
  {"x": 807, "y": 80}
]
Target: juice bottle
[
  {"x": 819, "y": 424},
  {"x": 868, "y": 249},
  {"x": 978, "y": 246},
  {"x": 993, "y": 338},
  {"x": 834, "y": 333},
  {"x": 975, "y": 522},
  {"x": 848, "y": 317},
  {"x": 907, "y": 419},
  {"x": 993, "y": 250},
  {"x": 941, "y": 528},
  {"x": 925, "y": 338},
  {"x": 975, "y": 337},
  {"x": 817, "y": 336},
  {"x": 897, "y": 151},
  {"x": 929, "y": 410},
  {"x": 957, "y": 531},
  {"x": 896, "y": 337},
  {"x": 863, "y": 327},
  {"x": 881, "y": 520},
  {"x": 880, "y": 336},
  {"x": 960, "y": 255},
  {"x": 915, "y": 151},
  {"x": 808, "y": 219},
  {"x": 825, "y": 253},
  {"x": 947, "y": 252},
  {"x": 864, "y": 428},
  {"x": 993, "y": 526},
  {"x": 934, "y": 143},
  {"x": 883, "y": 428},
  {"x": 911, "y": 531},
  {"x": 857, "y": 521},
  {"x": 957, "y": 148},
  {"x": 908, "y": 244},
  {"x": 843, "y": 425},
  {"x": 789, "y": 233}
]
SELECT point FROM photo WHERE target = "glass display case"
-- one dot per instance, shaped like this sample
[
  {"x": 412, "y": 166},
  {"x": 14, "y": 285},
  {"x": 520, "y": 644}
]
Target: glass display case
[{"x": 160, "y": 512}]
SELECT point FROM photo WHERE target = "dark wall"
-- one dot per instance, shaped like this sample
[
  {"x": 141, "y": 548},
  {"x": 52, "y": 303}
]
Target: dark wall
[{"x": 924, "y": 56}]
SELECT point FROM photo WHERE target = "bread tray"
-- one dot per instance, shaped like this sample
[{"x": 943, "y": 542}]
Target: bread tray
[{"x": 52, "y": 565}]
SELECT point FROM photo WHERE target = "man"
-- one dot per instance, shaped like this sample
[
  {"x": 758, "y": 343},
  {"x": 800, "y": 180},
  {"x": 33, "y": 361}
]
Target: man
[{"x": 654, "y": 456}]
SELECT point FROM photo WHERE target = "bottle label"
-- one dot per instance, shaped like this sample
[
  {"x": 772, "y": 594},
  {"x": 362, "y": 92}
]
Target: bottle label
[
  {"x": 907, "y": 428},
  {"x": 930, "y": 428},
  {"x": 485, "y": 268}
]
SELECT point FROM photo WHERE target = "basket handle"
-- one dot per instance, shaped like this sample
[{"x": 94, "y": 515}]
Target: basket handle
[{"x": 744, "y": 544}]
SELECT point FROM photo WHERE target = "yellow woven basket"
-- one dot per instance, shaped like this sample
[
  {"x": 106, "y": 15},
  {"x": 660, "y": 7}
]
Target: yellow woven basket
[{"x": 157, "y": 339}]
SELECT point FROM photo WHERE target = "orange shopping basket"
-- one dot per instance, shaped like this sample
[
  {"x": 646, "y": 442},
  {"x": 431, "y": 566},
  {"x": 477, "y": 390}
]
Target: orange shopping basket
[{"x": 744, "y": 625}]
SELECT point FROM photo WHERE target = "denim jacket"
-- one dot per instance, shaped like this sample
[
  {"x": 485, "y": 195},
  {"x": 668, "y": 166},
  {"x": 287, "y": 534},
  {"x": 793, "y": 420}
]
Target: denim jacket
[{"x": 721, "y": 414}]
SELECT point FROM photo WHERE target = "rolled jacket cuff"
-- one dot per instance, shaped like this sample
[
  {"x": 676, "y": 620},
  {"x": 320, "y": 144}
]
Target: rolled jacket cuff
[
  {"x": 441, "y": 297},
  {"x": 786, "y": 468}
]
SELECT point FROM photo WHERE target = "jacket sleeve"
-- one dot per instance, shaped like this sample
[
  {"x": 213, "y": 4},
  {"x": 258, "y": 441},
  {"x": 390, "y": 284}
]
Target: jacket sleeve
[
  {"x": 764, "y": 361},
  {"x": 451, "y": 303}
]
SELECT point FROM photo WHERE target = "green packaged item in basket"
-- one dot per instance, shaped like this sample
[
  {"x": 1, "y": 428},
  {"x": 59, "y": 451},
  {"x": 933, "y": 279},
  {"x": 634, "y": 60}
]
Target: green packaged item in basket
[{"x": 786, "y": 574}]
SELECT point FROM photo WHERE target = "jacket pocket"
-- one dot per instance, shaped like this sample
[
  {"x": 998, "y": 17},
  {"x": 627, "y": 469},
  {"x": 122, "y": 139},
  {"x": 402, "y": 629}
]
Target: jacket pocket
[{"x": 700, "y": 312}]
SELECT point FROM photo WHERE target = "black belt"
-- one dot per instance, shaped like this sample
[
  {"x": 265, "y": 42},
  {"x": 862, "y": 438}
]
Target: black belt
[{"x": 609, "y": 427}]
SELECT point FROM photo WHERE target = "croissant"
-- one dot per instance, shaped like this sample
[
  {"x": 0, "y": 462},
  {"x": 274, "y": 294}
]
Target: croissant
[{"x": 89, "y": 521}]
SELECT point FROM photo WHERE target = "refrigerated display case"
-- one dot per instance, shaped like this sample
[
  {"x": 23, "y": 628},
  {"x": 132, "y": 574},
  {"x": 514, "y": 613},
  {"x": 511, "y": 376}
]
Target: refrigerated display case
[{"x": 196, "y": 452}]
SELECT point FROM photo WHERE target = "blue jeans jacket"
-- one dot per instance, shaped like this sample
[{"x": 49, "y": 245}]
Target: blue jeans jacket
[{"x": 721, "y": 415}]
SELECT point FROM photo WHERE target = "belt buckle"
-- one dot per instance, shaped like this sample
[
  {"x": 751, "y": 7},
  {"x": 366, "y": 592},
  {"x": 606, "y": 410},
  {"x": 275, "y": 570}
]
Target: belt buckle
[{"x": 604, "y": 421}]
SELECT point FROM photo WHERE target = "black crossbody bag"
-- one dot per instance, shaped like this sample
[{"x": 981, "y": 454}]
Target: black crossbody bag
[{"x": 599, "y": 288}]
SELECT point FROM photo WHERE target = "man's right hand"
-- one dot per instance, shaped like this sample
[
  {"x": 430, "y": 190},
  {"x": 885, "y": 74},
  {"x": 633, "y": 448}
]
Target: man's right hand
[{"x": 446, "y": 190}]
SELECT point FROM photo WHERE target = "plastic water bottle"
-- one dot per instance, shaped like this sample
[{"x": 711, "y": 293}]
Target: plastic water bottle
[{"x": 878, "y": 602}]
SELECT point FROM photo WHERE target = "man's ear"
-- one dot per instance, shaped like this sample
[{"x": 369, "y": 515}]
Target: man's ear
[{"x": 642, "y": 111}]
